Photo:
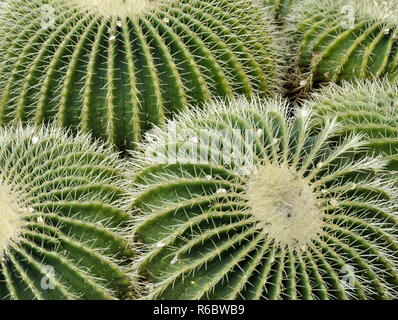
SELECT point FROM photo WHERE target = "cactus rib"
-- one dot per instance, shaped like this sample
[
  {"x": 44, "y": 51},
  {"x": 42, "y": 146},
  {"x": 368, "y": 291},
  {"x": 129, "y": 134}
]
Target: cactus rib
[
  {"x": 340, "y": 40},
  {"x": 363, "y": 107}
]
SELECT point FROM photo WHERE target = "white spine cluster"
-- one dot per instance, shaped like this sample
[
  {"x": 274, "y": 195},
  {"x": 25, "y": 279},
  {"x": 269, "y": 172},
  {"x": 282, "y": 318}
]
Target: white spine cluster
[
  {"x": 284, "y": 205},
  {"x": 119, "y": 8},
  {"x": 10, "y": 217}
]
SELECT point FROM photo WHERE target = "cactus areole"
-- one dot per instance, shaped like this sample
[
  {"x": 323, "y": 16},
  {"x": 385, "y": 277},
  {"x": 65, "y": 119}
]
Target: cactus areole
[{"x": 116, "y": 68}]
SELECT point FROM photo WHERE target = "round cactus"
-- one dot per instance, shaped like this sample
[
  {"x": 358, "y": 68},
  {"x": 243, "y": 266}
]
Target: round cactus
[
  {"x": 339, "y": 40},
  {"x": 240, "y": 202},
  {"x": 63, "y": 223},
  {"x": 367, "y": 107},
  {"x": 117, "y": 67}
]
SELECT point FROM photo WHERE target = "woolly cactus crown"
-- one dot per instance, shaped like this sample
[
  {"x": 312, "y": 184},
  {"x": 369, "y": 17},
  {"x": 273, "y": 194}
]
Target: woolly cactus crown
[
  {"x": 120, "y": 8},
  {"x": 63, "y": 220},
  {"x": 369, "y": 108},
  {"x": 344, "y": 40},
  {"x": 116, "y": 68},
  {"x": 239, "y": 202}
]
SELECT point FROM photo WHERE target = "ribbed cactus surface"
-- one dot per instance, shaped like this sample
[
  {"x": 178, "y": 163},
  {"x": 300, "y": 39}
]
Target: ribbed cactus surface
[
  {"x": 281, "y": 8},
  {"x": 344, "y": 40},
  {"x": 116, "y": 68},
  {"x": 239, "y": 202},
  {"x": 63, "y": 224},
  {"x": 369, "y": 108}
]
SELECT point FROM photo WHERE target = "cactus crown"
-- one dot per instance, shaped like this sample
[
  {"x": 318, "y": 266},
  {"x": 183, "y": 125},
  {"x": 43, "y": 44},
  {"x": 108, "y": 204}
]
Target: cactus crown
[
  {"x": 241, "y": 202},
  {"x": 64, "y": 224},
  {"x": 284, "y": 204},
  {"x": 119, "y": 8},
  {"x": 11, "y": 219}
]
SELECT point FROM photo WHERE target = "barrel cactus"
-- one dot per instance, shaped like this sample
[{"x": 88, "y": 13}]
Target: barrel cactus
[
  {"x": 240, "y": 202},
  {"x": 363, "y": 107},
  {"x": 117, "y": 67},
  {"x": 63, "y": 219},
  {"x": 339, "y": 40}
]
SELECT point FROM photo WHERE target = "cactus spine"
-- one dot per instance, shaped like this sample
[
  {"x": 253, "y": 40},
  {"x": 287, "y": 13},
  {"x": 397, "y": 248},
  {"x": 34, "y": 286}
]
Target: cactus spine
[
  {"x": 63, "y": 221},
  {"x": 338, "y": 40},
  {"x": 369, "y": 108},
  {"x": 239, "y": 202},
  {"x": 116, "y": 68}
]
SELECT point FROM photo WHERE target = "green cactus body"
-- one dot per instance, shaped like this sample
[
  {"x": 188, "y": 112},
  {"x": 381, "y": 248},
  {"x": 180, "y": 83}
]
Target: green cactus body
[
  {"x": 239, "y": 202},
  {"x": 339, "y": 40},
  {"x": 63, "y": 223},
  {"x": 369, "y": 108},
  {"x": 281, "y": 8},
  {"x": 115, "y": 68}
]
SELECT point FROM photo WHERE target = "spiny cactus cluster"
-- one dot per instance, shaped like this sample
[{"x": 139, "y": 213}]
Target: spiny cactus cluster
[
  {"x": 368, "y": 108},
  {"x": 264, "y": 210},
  {"x": 166, "y": 149},
  {"x": 342, "y": 40},
  {"x": 115, "y": 68},
  {"x": 64, "y": 228}
]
